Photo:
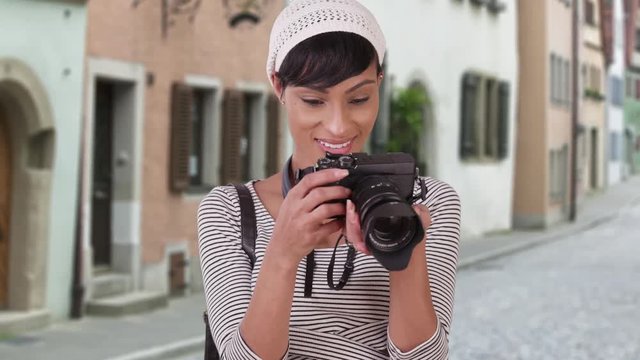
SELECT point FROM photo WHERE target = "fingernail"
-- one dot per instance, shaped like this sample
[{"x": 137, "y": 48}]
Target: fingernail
[{"x": 342, "y": 172}]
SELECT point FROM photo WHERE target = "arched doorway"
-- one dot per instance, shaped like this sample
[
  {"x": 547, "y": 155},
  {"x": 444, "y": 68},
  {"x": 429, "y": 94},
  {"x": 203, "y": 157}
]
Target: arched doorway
[
  {"x": 5, "y": 207},
  {"x": 26, "y": 161}
]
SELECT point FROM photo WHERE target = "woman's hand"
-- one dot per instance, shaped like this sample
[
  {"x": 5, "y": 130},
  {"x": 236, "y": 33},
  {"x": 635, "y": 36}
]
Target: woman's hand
[
  {"x": 353, "y": 230},
  {"x": 304, "y": 218}
]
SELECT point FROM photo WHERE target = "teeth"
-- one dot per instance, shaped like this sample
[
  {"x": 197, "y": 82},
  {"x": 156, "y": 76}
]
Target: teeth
[{"x": 333, "y": 146}]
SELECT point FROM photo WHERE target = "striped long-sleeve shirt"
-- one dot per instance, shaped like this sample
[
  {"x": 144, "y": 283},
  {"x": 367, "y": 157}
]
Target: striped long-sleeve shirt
[{"x": 349, "y": 324}]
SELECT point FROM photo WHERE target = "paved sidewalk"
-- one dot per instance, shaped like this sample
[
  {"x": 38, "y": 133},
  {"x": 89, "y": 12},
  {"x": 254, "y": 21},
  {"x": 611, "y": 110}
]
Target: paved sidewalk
[{"x": 178, "y": 329}]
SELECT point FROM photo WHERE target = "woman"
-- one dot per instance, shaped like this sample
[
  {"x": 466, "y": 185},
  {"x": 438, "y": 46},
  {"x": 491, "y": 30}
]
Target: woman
[{"x": 325, "y": 65}]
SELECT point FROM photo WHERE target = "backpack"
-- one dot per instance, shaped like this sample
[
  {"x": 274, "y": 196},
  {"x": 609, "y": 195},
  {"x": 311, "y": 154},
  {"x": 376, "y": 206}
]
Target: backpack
[{"x": 248, "y": 233}]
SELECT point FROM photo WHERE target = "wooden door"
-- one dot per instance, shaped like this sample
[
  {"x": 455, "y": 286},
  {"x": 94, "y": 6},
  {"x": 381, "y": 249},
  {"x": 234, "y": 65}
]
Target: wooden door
[
  {"x": 102, "y": 176},
  {"x": 5, "y": 207}
]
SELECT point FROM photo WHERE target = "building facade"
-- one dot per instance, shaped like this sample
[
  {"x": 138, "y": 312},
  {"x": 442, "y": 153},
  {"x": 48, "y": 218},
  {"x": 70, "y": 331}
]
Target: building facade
[
  {"x": 543, "y": 154},
  {"x": 632, "y": 84},
  {"x": 176, "y": 102},
  {"x": 615, "y": 94},
  {"x": 41, "y": 72},
  {"x": 593, "y": 137},
  {"x": 462, "y": 55}
]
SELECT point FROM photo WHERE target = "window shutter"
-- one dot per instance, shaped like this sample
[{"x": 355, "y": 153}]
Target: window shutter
[
  {"x": 181, "y": 122},
  {"x": 492, "y": 113},
  {"x": 468, "y": 140},
  {"x": 503, "y": 120},
  {"x": 273, "y": 135},
  {"x": 233, "y": 128},
  {"x": 553, "y": 76}
]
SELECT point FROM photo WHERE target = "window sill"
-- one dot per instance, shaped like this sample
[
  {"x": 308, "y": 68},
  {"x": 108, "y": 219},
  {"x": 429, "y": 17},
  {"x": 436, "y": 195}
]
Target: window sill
[
  {"x": 196, "y": 192},
  {"x": 481, "y": 160},
  {"x": 561, "y": 106}
]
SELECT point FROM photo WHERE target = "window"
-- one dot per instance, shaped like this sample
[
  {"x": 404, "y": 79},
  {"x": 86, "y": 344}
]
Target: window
[
  {"x": 595, "y": 83},
  {"x": 250, "y": 146},
  {"x": 552, "y": 80},
  {"x": 485, "y": 118},
  {"x": 560, "y": 81},
  {"x": 630, "y": 87},
  {"x": 614, "y": 151},
  {"x": 616, "y": 91},
  {"x": 558, "y": 174},
  {"x": 567, "y": 83},
  {"x": 195, "y": 132},
  {"x": 589, "y": 13},
  {"x": 196, "y": 148}
]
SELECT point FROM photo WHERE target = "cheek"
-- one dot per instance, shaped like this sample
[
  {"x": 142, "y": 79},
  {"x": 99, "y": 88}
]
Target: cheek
[
  {"x": 366, "y": 116},
  {"x": 301, "y": 121}
]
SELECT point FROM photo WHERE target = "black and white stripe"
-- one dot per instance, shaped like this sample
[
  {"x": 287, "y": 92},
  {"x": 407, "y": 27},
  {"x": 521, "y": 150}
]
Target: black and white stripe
[{"x": 347, "y": 324}]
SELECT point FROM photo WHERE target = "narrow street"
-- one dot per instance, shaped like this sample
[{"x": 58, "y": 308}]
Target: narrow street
[{"x": 572, "y": 299}]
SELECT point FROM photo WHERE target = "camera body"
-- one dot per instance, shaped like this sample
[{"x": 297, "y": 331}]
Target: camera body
[
  {"x": 397, "y": 168},
  {"x": 382, "y": 192}
]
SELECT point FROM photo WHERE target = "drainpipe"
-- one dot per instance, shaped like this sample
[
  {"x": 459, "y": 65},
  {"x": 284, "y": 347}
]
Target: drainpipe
[
  {"x": 77, "y": 286},
  {"x": 574, "y": 112}
]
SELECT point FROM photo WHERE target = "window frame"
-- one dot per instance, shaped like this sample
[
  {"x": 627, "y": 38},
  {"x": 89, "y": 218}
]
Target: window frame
[{"x": 211, "y": 140}]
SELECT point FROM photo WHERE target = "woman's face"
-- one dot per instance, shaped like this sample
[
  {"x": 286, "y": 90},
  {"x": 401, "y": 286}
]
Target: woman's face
[{"x": 337, "y": 119}]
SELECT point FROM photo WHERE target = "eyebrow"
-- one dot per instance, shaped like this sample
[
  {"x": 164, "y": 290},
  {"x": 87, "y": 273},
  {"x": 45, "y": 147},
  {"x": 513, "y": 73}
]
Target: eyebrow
[{"x": 352, "y": 89}]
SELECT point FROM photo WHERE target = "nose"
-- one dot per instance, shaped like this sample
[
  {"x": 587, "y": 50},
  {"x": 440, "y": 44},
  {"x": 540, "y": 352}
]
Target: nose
[{"x": 338, "y": 123}]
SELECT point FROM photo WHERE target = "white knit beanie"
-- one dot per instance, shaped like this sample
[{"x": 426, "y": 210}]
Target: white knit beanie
[{"x": 303, "y": 19}]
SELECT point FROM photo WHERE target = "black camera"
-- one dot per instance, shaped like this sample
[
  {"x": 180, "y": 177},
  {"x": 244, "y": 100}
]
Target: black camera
[{"x": 382, "y": 192}]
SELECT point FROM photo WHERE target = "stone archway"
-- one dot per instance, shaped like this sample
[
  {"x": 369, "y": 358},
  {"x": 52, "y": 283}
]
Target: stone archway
[{"x": 27, "y": 115}]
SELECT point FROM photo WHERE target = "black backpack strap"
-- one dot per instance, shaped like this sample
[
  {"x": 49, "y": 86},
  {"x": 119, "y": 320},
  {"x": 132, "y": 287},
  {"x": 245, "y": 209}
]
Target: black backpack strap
[
  {"x": 247, "y": 222},
  {"x": 248, "y": 232}
]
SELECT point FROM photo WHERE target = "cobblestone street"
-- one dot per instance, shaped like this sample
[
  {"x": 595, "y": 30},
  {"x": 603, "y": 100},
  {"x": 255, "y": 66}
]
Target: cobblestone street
[{"x": 572, "y": 299}]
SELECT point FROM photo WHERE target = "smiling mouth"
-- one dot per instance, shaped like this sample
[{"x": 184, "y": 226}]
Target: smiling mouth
[{"x": 334, "y": 146}]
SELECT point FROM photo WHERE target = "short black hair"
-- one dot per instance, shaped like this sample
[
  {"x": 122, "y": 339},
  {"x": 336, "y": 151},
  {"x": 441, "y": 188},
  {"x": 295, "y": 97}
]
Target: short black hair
[{"x": 325, "y": 60}]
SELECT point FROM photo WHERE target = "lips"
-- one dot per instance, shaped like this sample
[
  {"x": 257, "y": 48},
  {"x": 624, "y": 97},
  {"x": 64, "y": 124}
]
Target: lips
[{"x": 335, "y": 147}]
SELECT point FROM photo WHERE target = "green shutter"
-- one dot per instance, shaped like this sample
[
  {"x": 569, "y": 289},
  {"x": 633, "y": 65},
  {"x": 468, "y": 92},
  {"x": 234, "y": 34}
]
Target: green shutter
[
  {"x": 503, "y": 120},
  {"x": 469, "y": 114}
]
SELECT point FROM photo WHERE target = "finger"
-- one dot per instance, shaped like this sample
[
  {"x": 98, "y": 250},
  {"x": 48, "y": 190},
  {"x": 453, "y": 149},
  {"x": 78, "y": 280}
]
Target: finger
[
  {"x": 319, "y": 178},
  {"x": 424, "y": 214},
  {"x": 353, "y": 229},
  {"x": 324, "y": 194},
  {"x": 329, "y": 228},
  {"x": 327, "y": 211}
]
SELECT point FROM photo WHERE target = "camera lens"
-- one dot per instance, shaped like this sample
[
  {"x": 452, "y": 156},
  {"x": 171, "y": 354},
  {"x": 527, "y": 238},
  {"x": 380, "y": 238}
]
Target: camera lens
[
  {"x": 390, "y": 228},
  {"x": 388, "y": 221}
]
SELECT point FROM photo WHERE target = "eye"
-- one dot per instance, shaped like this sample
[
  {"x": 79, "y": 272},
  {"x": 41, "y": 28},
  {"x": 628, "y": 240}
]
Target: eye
[
  {"x": 359, "y": 101},
  {"x": 313, "y": 102}
]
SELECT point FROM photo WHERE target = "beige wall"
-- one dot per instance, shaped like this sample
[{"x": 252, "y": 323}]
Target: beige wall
[
  {"x": 544, "y": 28},
  {"x": 530, "y": 164},
  {"x": 559, "y": 37},
  {"x": 592, "y": 112},
  {"x": 116, "y": 30}
]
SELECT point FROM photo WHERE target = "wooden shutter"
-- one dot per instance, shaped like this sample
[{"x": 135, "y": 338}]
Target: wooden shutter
[
  {"x": 233, "y": 127},
  {"x": 181, "y": 123},
  {"x": 503, "y": 119},
  {"x": 177, "y": 265},
  {"x": 273, "y": 135},
  {"x": 469, "y": 114}
]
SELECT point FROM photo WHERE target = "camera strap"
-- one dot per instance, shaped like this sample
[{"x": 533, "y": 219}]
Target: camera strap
[
  {"x": 311, "y": 263},
  {"x": 348, "y": 266}
]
